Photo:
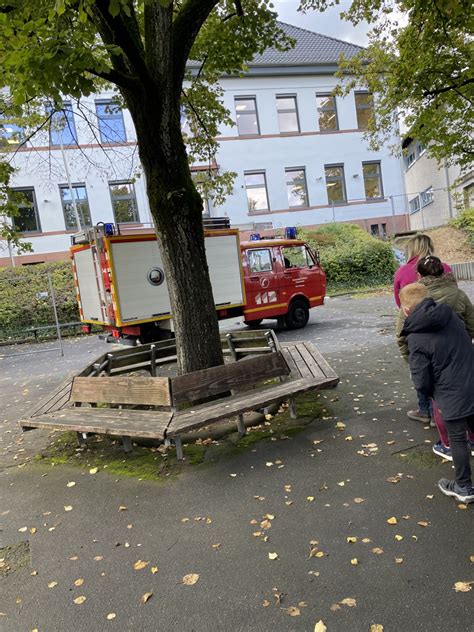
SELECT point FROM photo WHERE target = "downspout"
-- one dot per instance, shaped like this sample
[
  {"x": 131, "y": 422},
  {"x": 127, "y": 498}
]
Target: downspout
[{"x": 448, "y": 189}]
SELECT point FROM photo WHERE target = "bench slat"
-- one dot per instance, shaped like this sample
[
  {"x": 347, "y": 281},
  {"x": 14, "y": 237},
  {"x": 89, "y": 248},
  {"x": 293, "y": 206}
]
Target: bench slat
[
  {"x": 130, "y": 423},
  {"x": 220, "y": 379},
  {"x": 303, "y": 369},
  {"x": 321, "y": 360},
  {"x": 294, "y": 370},
  {"x": 122, "y": 390},
  {"x": 310, "y": 362},
  {"x": 227, "y": 407}
]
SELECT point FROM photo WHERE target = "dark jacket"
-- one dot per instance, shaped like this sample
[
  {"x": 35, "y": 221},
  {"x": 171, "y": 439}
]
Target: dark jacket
[{"x": 441, "y": 358}]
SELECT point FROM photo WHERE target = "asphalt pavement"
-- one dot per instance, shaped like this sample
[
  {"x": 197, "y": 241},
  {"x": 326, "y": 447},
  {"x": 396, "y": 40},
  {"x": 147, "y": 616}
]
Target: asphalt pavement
[{"x": 342, "y": 523}]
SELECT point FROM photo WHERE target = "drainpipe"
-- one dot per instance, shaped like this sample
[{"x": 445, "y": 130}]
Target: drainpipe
[{"x": 448, "y": 189}]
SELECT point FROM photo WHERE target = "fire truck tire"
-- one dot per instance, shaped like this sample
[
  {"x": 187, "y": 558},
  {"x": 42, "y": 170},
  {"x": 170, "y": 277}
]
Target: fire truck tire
[
  {"x": 297, "y": 315},
  {"x": 253, "y": 323}
]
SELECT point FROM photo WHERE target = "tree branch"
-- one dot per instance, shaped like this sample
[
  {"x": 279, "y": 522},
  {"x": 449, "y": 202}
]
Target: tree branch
[
  {"x": 435, "y": 91},
  {"x": 114, "y": 76}
]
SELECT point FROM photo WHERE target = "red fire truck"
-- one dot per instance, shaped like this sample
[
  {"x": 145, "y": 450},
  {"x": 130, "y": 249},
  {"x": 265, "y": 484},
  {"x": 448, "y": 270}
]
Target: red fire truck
[{"x": 121, "y": 284}]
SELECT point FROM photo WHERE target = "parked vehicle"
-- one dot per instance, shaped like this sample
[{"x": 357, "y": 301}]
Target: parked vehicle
[{"x": 121, "y": 284}]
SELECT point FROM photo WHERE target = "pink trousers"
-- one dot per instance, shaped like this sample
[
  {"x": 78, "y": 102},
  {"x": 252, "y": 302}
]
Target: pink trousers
[{"x": 443, "y": 433}]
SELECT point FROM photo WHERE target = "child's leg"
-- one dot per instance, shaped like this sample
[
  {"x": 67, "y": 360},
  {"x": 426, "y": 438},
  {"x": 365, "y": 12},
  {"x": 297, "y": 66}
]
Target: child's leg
[
  {"x": 423, "y": 403},
  {"x": 460, "y": 449},
  {"x": 436, "y": 416}
]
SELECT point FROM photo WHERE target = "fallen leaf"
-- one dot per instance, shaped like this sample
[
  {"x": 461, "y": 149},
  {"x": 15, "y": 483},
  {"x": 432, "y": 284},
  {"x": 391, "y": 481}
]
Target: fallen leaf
[
  {"x": 79, "y": 600},
  {"x": 122, "y": 508},
  {"x": 341, "y": 483},
  {"x": 471, "y": 559},
  {"x": 392, "y": 520},
  {"x": 269, "y": 516},
  {"x": 351, "y": 539},
  {"x": 399, "y": 560},
  {"x": 191, "y": 579},
  {"x": 70, "y": 484},
  {"x": 335, "y": 607},
  {"x": 349, "y": 601},
  {"x": 52, "y": 584},
  {"x": 377, "y": 550},
  {"x": 359, "y": 500},
  {"x": 320, "y": 627},
  {"x": 139, "y": 565},
  {"x": 460, "y": 506},
  {"x": 269, "y": 463},
  {"x": 94, "y": 470},
  {"x": 233, "y": 475},
  {"x": 79, "y": 582},
  {"x": 265, "y": 603},
  {"x": 354, "y": 561},
  {"x": 273, "y": 556},
  {"x": 23, "y": 529},
  {"x": 376, "y": 627},
  {"x": 340, "y": 425},
  {"x": 98, "y": 558},
  {"x": 398, "y": 538},
  {"x": 67, "y": 507},
  {"x": 154, "y": 570},
  {"x": 33, "y": 530},
  {"x": 111, "y": 616},
  {"x": 145, "y": 597},
  {"x": 293, "y": 611},
  {"x": 310, "y": 498},
  {"x": 463, "y": 586},
  {"x": 423, "y": 523}
]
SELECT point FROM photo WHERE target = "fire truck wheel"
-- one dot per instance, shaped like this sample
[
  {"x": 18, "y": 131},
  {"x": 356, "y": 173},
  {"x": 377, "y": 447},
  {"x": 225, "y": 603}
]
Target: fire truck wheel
[
  {"x": 297, "y": 315},
  {"x": 253, "y": 323}
]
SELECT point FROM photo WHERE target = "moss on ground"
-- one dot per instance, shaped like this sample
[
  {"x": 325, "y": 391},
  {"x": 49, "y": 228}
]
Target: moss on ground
[
  {"x": 158, "y": 464},
  {"x": 420, "y": 456}
]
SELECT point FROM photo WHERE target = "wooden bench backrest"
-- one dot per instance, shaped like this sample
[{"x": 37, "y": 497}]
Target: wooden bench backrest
[
  {"x": 146, "y": 391},
  {"x": 227, "y": 377}
]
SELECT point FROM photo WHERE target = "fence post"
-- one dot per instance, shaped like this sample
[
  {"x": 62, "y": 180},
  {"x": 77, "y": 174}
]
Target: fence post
[{"x": 53, "y": 300}]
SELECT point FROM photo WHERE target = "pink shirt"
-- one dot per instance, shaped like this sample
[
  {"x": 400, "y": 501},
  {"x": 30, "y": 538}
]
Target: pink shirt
[{"x": 407, "y": 274}]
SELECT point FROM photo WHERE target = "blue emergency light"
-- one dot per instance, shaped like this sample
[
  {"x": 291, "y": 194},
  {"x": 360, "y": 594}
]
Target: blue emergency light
[
  {"x": 290, "y": 232},
  {"x": 109, "y": 229},
  {"x": 255, "y": 237}
]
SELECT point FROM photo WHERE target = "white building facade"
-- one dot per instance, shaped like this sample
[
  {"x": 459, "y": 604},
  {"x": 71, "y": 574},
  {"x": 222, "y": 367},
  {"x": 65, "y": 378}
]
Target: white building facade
[{"x": 298, "y": 152}]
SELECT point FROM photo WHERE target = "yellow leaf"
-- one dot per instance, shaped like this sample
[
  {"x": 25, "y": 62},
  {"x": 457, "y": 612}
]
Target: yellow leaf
[
  {"x": 348, "y": 438},
  {"x": 392, "y": 520},
  {"x": 398, "y": 538},
  {"x": 462, "y": 506},
  {"x": 422, "y": 523},
  {"x": 79, "y": 600},
  {"x": 154, "y": 570},
  {"x": 366, "y": 540},
  {"x": 376, "y": 627},
  {"x": 354, "y": 561},
  {"x": 310, "y": 498},
  {"x": 33, "y": 530},
  {"x": 293, "y": 611},
  {"x": 191, "y": 579},
  {"x": 269, "y": 516},
  {"x": 320, "y": 627},
  {"x": 93, "y": 470},
  {"x": 377, "y": 550},
  {"x": 340, "y": 425},
  {"x": 273, "y": 556},
  {"x": 351, "y": 539},
  {"x": 399, "y": 560},
  {"x": 342, "y": 483},
  {"x": 335, "y": 607},
  {"x": 79, "y": 582},
  {"x": 184, "y": 519},
  {"x": 471, "y": 559},
  {"x": 265, "y": 603},
  {"x": 23, "y": 529},
  {"x": 139, "y": 565},
  {"x": 52, "y": 584},
  {"x": 122, "y": 508},
  {"x": 67, "y": 507},
  {"x": 269, "y": 463},
  {"x": 70, "y": 484},
  {"x": 98, "y": 558},
  {"x": 145, "y": 597},
  {"x": 463, "y": 586},
  {"x": 349, "y": 601},
  {"x": 111, "y": 616},
  {"x": 268, "y": 417},
  {"x": 359, "y": 500},
  {"x": 266, "y": 524}
]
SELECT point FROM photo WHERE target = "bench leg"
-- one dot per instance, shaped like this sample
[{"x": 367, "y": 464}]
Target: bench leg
[
  {"x": 127, "y": 444},
  {"x": 292, "y": 406},
  {"x": 179, "y": 448},
  {"x": 81, "y": 438},
  {"x": 241, "y": 425}
]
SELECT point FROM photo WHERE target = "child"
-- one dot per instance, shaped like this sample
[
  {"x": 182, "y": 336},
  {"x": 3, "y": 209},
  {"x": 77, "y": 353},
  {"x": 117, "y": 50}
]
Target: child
[{"x": 441, "y": 359}]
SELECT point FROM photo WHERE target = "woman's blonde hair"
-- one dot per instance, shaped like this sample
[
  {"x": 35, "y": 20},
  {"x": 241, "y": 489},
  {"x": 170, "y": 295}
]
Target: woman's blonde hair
[{"x": 419, "y": 246}]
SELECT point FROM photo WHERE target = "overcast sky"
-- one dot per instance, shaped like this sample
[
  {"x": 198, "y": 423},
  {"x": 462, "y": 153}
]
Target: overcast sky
[{"x": 327, "y": 23}]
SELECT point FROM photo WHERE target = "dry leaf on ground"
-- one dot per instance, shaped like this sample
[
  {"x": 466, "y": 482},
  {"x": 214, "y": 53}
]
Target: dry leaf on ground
[
  {"x": 265, "y": 603},
  {"x": 79, "y": 582},
  {"x": 70, "y": 484},
  {"x": 273, "y": 556},
  {"x": 111, "y": 616},
  {"x": 349, "y": 601},
  {"x": 139, "y": 565},
  {"x": 80, "y": 600},
  {"x": 392, "y": 520},
  {"x": 67, "y": 507},
  {"x": 145, "y": 597},
  {"x": 320, "y": 627},
  {"x": 52, "y": 584},
  {"x": 154, "y": 569},
  {"x": 94, "y": 470},
  {"x": 190, "y": 580},
  {"x": 463, "y": 586},
  {"x": 376, "y": 627},
  {"x": 293, "y": 611}
]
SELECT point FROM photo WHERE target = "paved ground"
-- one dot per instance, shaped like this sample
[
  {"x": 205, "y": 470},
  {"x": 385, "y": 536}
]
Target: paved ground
[{"x": 405, "y": 572}]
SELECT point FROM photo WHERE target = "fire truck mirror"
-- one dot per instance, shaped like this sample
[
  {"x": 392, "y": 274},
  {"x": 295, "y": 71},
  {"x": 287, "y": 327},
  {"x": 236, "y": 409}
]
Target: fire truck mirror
[{"x": 155, "y": 276}]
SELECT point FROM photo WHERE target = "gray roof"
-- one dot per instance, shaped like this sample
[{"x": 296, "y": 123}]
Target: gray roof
[{"x": 310, "y": 48}]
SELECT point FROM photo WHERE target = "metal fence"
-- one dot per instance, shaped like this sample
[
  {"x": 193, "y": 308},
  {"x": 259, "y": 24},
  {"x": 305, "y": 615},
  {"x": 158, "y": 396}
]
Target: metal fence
[
  {"x": 463, "y": 271},
  {"x": 29, "y": 317}
]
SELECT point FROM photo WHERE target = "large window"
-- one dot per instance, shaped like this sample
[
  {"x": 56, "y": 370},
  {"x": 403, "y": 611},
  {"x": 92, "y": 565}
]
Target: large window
[
  {"x": 364, "y": 109},
  {"x": 426, "y": 197},
  {"x": 259, "y": 260},
  {"x": 327, "y": 113},
  {"x": 246, "y": 114},
  {"x": 124, "y": 203},
  {"x": 80, "y": 196},
  {"x": 468, "y": 196},
  {"x": 414, "y": 204},
  {"x": 296, "y": 187},
  {"x": 287, "y": 114},
  {"x": 335, "y": 184},
  {"x": 62, "y": 128},
  {"x": 110, "y": 119},
  {"x": 27, "y": 220},
  {"x": 372, "y": 180},
  {"x": 256, "y": 185}
]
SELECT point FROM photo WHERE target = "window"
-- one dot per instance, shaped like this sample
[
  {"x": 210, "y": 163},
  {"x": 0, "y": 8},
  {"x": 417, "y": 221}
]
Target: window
[
  {"x": 296, "y": 187},
  {"x": 420, "y": 149},
  {"x": 297, "y": 257},
  {"x": 256, "y": 186},
  {"x": 468, "y": 196},
  {"x": 414, "y": 204},
  {"x": 410, "y": 157},
  {"x": 110, "y": 119},
  {"x": 259, "y": 260},
  {"x": 372, "y": 180},
  {"x": 62, "y": 127},
  {"x": 27, "y": 220},
  {"x": 374, "y": 230},
  {"x": 426, "y": 197},
  {"x": 335, "y": 184},
  {"x": 203, "y": 184},
  {"x": 246, "y": 114},
  {"x": 327, "y": 113},
  {"x": 82, "y": 205},
  {"x": 364, "y": 109},
  {"x": 185, "y": 120},
  {"x": 287, "y": 114},
  {"x": 124, "y": 203}
]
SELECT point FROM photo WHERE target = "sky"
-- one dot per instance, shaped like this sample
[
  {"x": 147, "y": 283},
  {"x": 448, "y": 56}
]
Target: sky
[{"x": 327, "y": 23}]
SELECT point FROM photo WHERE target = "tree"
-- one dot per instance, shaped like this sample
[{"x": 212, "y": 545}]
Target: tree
[
  {"x": 419, "y": 66},
  {"x": 52, "y": 48}
]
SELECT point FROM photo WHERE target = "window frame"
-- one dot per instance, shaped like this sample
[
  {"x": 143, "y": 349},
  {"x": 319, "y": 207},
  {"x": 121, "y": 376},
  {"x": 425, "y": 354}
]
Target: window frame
[
  {"x": 288, "y": 111},
  {"x": 343, "y": 179},
  {"x": 422, "y": 195},
  {"x": 124, "y": 197},
  {"x": 35, "y": 208},
  {"x": 416, "y": 210},
  {"x": 255, "y": 186},
  {"x": 74, "y": 186},
  {"x": 100, "y": 119},
  {"x": 310, "y": 262},
  {"x": 379, "y": 164},
  {"x": 363, "y": 107},
  {"x": 255, "y": 111},
  {"x": 319, "y": 109},
  {"x": 269, "y": 250},
  {"x": 293, "y": 169},
  {"x": 70, "y": 124}
]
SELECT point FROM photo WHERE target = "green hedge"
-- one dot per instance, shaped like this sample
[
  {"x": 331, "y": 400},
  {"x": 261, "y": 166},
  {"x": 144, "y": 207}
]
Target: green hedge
[
  {"x": 20, "y": 306},
  {"x": 351, "y": 257},
  {"x": 465, "y": 221}
]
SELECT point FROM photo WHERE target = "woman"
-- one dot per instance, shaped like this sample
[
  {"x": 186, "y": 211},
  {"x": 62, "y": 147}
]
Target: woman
[{"x": 418, "y": 247}]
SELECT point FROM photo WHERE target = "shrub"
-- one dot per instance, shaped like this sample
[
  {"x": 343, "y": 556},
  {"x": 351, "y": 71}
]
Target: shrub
[
  {"x": 21, "y": 304},
  {"x": 465, "y": 221},
  {"x": 351, "y": 257}
]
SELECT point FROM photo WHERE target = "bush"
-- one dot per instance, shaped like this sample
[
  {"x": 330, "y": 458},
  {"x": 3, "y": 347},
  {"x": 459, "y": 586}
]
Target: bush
[
  {"x": 351, "y": 257},
  {"x": 465, "y": 221},
  {"x": 21, "y": 305}
]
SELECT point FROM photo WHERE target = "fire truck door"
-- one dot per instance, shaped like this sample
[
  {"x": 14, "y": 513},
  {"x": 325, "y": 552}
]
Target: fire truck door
[
  {"x": 263, "y": 284},
  {"x": 301, "y": 274}
]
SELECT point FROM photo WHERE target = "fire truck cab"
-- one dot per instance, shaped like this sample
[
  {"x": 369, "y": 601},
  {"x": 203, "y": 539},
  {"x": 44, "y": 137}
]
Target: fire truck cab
[{"x": 283, "y": 280}]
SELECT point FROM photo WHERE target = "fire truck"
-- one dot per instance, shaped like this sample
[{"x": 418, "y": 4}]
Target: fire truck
[{"x": 121, "y": 284}]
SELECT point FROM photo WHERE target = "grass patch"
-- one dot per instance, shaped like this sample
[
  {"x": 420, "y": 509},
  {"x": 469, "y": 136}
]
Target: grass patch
[{"x": 422, "y": 457}]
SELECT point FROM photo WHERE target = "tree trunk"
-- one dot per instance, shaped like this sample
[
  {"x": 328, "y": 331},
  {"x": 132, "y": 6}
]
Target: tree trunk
[{"x": 177, "y": 212}]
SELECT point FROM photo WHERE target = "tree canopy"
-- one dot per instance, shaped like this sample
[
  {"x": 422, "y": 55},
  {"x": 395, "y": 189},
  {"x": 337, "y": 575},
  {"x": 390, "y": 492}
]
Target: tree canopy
[{"x": 419, "y": 64}]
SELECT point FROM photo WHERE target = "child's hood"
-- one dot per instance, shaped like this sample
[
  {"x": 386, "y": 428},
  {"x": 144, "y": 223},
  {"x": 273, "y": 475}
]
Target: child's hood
[{"x": 428, "y": 316}]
